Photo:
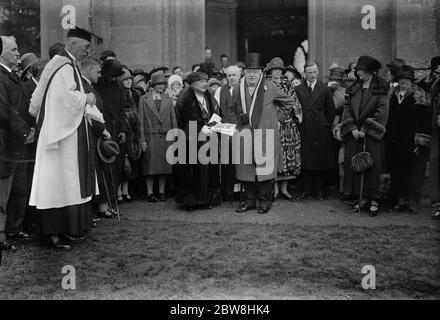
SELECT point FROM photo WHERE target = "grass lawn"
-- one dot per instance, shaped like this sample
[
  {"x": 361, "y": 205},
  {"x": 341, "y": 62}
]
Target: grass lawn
[{"x": 163, "y": 253}]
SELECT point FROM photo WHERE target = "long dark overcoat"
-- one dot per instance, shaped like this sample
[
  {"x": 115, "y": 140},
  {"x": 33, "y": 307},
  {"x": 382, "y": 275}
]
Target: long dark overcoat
[
  {"x": 317, "y": 146},
  {"x": 366, "y": 110}
]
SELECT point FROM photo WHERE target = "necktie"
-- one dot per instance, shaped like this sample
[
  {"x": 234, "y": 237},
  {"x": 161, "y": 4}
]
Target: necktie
[{"x": 310, "y": 87}]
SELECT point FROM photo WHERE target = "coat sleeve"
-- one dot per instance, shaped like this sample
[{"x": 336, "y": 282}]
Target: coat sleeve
[
  {"x": 9, "y": 119},
  {"x": 374, "y": 126},
  {"x": 141, "y": 115},
  {"x": 330, "y": 108},
  {"x": 348, "y": 123}
]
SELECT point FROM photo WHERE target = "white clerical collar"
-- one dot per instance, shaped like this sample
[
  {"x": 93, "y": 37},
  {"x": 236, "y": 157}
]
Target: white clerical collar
[
  {"x": 6, "y": 67},
  {"x": 88, "y": 81}
]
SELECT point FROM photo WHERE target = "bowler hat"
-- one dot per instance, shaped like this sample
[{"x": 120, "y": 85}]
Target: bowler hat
[
  {"x": 108, "y": 150},
  {"x": 254, "y": 61},
  {"x": 406, "y": 72},
  {"x": 158, "y": 78},
  {"x": 275, "y": 63},
  {"x": 337, "y": 73},
  {"x": 27, "y": 60},
  {"x": 368, "y": 64}
]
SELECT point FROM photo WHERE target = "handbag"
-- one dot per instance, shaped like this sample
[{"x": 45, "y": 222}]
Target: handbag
[{"x": 362, "y": 161}]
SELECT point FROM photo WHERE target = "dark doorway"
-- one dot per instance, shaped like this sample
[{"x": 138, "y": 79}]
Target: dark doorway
[{"x": 273, "y": 28}]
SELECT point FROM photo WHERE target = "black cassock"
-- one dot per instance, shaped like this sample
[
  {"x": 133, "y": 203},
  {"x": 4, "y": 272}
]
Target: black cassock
[{"x": 197, "y": 184}]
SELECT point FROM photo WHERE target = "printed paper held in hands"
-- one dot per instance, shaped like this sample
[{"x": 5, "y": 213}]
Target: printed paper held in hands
[{"x": 222, "y": 128}]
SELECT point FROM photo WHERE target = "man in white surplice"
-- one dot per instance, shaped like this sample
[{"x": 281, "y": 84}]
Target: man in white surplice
[{"x": 64, "y": 176}]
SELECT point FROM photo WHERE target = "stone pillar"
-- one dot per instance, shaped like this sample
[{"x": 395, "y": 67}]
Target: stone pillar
[{"x": 417, "y": 34}]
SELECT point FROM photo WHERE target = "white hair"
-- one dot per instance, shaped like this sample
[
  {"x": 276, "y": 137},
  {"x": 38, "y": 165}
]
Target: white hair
[{"x": 233, "y": 69}]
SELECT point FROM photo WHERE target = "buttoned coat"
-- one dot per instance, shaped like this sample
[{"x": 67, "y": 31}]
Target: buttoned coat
[
  {"x": 154, "y": 127},
  {"x": 317, "y": 146}
]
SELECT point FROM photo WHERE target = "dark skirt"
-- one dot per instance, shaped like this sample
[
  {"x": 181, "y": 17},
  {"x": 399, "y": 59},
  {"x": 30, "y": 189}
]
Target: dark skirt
[{"x": 73, "y": 220}]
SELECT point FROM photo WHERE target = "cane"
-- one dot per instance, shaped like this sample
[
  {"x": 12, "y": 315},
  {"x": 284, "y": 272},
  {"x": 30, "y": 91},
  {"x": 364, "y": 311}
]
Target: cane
[
  {"x": 114, "y": 193},
  {"x": 361, "y": 193}
]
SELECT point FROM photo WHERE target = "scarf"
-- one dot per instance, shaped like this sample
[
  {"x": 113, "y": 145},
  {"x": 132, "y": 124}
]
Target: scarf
[{"x": 256, "y": 103}]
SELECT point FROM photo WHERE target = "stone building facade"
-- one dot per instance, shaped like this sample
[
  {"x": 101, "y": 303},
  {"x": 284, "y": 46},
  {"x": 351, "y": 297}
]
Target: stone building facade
[{"x": 145, "y": 33}]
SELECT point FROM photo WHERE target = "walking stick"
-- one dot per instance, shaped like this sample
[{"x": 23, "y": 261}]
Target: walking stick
[
  {"x": 107, "y": 192},
  {"x": 361, "y": 193},
  {"x": 114, "y": 193}
]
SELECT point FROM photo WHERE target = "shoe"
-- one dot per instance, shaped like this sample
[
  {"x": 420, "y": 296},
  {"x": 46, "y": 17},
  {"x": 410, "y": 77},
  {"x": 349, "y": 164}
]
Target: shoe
[
  {"x": 436, "y": 216},
  {"x": 19, "y": 236},
  {"x": 6, "y": 246},
  {"x": 356, "y": 208},
  {"x": 151, "y": 198},
  {"x": 54, "y": 242},
  {"x": 245, "y": 209},
  {"x": 127, "y": 198},
  {"x": 162, "y": 197},
  {"x": 264, "y": 210},
  {"x": 106, "y": 215},
  {"x": 374, "y": 209},
  {"x": 72, "y": 238},
  {"x": 287, "y": 196}
]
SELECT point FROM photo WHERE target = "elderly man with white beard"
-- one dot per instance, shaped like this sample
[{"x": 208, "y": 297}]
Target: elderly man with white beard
[{"x": 259, "y": 105}]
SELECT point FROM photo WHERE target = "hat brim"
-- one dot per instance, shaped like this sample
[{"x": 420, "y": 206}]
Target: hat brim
[
  {"x": 158, "y": 83},
  {"x": 101, "y": 155}
]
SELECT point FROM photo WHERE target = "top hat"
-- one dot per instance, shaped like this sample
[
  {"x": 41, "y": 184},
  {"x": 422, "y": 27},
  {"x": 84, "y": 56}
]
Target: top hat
[
  {"x": 254, "y": 61},
  {"x": 108, "y": 150},
  {"x": 27, "y": 60},
  {"x": 275, "y": 63},
  {"x": 158, "y": 78},
  {"x": 406, "y": 72},
  {"x": 337, "y": 73},
  {"x": 368, "y": 64}
]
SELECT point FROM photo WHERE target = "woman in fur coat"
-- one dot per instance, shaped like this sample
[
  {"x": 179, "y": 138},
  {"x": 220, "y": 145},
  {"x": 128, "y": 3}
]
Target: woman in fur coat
[{"x": 364, "y": 121}]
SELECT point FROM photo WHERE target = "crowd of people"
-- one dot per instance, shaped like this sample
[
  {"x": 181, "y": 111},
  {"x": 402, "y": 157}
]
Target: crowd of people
[{"x": 80, "y": 136}]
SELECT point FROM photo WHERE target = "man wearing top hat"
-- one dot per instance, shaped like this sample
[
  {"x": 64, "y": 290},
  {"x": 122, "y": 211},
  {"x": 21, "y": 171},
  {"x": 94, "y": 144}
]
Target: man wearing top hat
[
  {"x": 259, "y": 105},
  {"x": 65, "y": 175}
]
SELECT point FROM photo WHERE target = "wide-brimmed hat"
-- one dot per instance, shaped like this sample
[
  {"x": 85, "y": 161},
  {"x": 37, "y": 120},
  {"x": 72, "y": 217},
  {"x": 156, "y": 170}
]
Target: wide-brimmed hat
[
  {"x": 396, "y": 62},
  {"x": 27, "y": 60},
  {"x": 108, "y": 150},
  {"x": 336, "y": 74},
  {"x": 196, "y": 76},
  {"x": 368, "y": 64},
  {"x": 126, "y": 75},
  {"x": 275, "y": 63},
  {"x": 406, "y": 72},
  {"x": 158, "y": 78},
  {"x": 254, "y": 61}
]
